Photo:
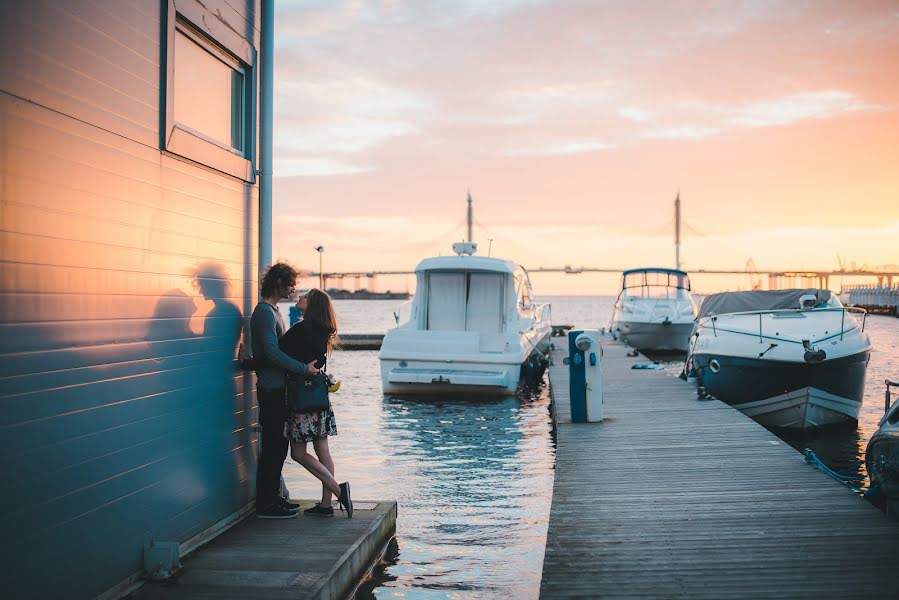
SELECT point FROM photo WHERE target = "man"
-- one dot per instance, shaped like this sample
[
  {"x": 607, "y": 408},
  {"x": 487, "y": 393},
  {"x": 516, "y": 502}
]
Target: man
[{"x": 271, "y": 366}]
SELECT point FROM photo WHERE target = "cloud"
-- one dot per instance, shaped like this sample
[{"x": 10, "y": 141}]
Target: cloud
[
  {"x": 798, "y": 107},
  {"x": 684, "y": 132},
  {"x": 562, "y": 149},
  {"x": 634, "y": 114},
  {"x": 310, "y": 166}
]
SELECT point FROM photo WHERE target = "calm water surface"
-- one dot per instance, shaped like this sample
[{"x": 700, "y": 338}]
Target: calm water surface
[{"x": 474, "y": 478}]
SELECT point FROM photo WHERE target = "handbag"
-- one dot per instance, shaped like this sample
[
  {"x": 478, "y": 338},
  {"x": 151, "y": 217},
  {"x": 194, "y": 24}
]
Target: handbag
[{"x": 307, "y": 394}]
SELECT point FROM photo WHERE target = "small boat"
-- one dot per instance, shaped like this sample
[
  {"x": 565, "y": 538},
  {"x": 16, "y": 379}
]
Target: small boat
[
  {"x": 882, "y": 455},
  {"x": 793, "y": 359},
  {"x": 654, "y": 310},
  {"x": 473, "y": 328}
]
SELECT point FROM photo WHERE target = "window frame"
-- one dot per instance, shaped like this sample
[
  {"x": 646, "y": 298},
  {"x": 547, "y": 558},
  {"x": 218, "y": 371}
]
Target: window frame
[{"x": 191, "y": 19}]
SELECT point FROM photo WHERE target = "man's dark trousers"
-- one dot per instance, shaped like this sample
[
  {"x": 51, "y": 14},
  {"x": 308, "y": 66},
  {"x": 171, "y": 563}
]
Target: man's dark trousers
[{"x": 272, "y": 416}]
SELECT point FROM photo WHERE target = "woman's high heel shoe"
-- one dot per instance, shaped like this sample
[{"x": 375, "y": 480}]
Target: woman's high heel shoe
[{"x": 345, "y": 500}]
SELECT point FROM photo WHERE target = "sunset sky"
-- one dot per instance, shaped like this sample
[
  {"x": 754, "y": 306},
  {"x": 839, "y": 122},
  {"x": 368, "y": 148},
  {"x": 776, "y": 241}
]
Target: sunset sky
[{"x": 574, "y": 125}]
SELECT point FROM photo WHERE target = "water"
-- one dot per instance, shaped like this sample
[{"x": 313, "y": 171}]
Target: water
[{"x": 474, "y": 478}]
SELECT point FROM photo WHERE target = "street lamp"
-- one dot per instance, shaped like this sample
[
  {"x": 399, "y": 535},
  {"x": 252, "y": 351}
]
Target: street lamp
[{"x": 321, "y": 275}]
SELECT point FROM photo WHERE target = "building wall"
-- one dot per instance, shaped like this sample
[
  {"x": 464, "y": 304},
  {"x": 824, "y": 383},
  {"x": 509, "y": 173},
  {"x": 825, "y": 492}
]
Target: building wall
[{"x": 126, "y": 275}]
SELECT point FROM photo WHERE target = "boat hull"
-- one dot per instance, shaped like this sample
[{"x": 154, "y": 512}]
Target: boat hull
[
  {"x": 787, "y": 394},
  {"x": 656, "y": 336},
  {"x": 421, "y": 377},
  {"x": 882, "y": 461}
]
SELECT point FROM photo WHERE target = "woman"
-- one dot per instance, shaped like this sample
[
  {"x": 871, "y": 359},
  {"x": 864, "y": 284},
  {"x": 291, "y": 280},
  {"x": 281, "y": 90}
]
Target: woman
[{"x": 311, "y": 340}]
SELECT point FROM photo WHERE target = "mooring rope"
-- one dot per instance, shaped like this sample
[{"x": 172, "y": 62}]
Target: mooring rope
[{"x": 848, "y": 480}]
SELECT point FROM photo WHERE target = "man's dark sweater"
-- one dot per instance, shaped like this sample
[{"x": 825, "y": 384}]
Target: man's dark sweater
[{"x": 266, "y": 328}]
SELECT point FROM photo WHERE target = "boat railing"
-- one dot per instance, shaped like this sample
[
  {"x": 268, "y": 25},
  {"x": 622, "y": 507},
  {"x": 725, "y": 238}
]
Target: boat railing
[{"x": 703, "y": 321}]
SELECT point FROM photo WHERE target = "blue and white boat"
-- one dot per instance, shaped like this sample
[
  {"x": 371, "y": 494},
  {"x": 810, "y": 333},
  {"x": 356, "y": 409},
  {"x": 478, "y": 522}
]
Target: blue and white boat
[
  {"x": 654, "y": 310},
  {"x": 474, "y": 327},
  {"x": 787, "y": 358}
]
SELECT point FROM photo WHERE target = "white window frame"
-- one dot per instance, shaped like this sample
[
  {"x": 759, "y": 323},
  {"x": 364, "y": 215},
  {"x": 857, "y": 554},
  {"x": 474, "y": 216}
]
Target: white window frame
[{"x": 192, "y": 19}]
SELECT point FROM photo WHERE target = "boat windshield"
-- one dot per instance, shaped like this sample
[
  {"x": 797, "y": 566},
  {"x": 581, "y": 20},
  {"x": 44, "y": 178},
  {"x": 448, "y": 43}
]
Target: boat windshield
[{"x": 656, "y": 284}]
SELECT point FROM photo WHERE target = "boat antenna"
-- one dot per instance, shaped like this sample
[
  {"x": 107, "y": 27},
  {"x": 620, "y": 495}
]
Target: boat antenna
[
  {"x": 489, "y": 246},
  {"x": 469, "y": 216},
  {"x": 677, "y": 231}
]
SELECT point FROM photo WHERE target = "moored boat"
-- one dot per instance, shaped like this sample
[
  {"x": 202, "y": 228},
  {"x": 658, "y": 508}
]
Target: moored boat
[
  {"x": 788, "y": 358},
  {"x": 882, "y": 455},
  {"x": 654, "y": 310},
  {"x": 473, "y": 328}
]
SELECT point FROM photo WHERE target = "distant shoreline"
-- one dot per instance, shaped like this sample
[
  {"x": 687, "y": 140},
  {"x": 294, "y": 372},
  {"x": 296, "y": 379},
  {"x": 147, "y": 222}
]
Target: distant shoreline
[{"x": 366, "y": 295}]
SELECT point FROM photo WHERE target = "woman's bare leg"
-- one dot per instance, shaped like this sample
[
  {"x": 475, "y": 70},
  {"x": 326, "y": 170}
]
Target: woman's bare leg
[
  {"x": 324, "y": 457},
  {"x": 311, "y": 464}
]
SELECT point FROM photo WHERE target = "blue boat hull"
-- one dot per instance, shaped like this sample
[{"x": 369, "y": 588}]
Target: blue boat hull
[{"x": 740, "y": 380}]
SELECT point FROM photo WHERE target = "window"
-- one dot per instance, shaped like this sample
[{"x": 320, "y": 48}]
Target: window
[{"x": 209, "y": 93}]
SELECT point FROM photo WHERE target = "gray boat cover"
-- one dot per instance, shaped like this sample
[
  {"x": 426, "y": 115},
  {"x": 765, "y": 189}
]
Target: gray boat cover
[{"x": 731, "y": 302}]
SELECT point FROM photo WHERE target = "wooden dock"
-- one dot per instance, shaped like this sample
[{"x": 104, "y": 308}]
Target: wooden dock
[
  {"x": 314, "y": 558},
  {"x": 674, "y": 497},
  {"x": 361, "y": 341}
]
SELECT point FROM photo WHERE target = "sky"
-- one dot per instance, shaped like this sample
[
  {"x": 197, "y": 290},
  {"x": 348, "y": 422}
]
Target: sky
[{"x": 575, "y": 124}]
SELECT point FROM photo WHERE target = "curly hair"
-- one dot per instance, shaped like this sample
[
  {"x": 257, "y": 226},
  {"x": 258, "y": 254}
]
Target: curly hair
[{"x": 278, "y": 279}]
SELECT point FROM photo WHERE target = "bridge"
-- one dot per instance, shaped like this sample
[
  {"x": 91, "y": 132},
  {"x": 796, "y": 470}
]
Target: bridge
[{"x": 776, "y": 279}]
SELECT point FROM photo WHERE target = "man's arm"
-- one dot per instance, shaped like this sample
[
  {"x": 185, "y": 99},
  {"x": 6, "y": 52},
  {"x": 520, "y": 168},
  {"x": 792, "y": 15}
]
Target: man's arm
[{"x": 269, "y": 341}]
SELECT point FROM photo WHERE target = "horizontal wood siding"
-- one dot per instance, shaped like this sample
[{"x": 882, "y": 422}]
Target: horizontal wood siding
[{"x": 126, "y": 278}]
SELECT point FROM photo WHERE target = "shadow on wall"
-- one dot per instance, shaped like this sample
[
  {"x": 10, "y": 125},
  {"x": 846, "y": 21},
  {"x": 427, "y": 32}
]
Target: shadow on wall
[{"x": 206, "y": 431}]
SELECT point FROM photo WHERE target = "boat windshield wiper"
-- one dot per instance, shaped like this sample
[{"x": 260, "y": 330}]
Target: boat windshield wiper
[{"x": 761, "y": 354}]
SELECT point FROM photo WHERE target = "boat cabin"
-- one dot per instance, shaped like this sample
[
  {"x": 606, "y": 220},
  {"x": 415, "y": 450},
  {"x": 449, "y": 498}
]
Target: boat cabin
[
  {"x": 656, "y": 283},
  {"x": 470, "y": 293}
]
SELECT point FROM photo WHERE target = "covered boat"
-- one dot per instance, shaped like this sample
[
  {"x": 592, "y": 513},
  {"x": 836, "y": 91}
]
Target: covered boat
[
  {"x": 787, "y": 358},
  {"x": 882, "y": 455},
  {"x": 654, "y": 310},
  {"x": 473, "y": 327}
]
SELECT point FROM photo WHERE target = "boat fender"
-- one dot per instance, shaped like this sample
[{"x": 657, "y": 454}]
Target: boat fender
[{"x": 714, "y": 365}]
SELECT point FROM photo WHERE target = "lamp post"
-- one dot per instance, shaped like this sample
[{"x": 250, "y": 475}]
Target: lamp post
[{"x": 321, "y": 275}]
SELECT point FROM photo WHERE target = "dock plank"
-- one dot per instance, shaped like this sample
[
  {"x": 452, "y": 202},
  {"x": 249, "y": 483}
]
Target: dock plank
[
  {"x": 674, "y": 497},
  {"x": 306, "y": 557}
]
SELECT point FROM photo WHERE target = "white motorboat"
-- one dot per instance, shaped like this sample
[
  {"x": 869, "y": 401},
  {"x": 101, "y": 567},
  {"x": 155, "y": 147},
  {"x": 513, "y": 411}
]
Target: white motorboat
[
  {"x": 788, "y": 358},
  {"x": 654, "y": 310},
  {"x": 473, "y": 327}
]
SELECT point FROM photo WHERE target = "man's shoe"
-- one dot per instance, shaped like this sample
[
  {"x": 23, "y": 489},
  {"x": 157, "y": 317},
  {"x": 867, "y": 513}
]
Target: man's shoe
[
  {"x": 320, "y": 511},
  {"x": 290, "y": 504},
  {"x": 276, "y": 511},
  {"x": 344, "y": 499}
]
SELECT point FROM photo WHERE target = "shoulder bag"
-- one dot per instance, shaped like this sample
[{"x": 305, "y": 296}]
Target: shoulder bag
[{"x": 307, "y": 394}]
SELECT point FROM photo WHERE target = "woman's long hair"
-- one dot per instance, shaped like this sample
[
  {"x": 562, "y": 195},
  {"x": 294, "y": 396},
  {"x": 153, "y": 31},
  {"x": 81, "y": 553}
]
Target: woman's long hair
[{"x": 320, "y": 309}]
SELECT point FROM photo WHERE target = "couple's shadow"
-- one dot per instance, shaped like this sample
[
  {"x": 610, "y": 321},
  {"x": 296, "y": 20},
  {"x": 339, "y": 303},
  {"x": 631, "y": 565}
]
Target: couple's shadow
[{"x": 204, "y": 410}]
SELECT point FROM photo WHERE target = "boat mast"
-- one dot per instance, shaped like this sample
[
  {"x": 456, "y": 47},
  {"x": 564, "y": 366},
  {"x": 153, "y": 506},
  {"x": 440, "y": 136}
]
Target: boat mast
[
  {"x": 676, "y": 231},
  {"x": 469, "y": 215}
]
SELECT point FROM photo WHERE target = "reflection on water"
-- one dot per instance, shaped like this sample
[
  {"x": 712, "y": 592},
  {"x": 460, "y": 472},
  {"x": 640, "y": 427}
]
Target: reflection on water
[{"x": 473, "y": 480}]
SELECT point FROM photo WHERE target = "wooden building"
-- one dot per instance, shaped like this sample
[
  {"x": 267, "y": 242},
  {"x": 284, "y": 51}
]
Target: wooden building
[{"x": 129, "y": 242}]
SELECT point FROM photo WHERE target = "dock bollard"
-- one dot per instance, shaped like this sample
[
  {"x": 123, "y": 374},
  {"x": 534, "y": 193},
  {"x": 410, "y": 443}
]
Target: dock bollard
[{"x": 585, "y": 376}]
